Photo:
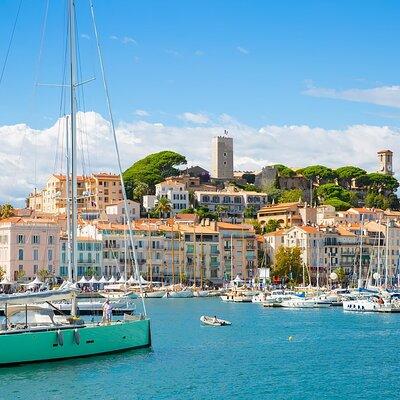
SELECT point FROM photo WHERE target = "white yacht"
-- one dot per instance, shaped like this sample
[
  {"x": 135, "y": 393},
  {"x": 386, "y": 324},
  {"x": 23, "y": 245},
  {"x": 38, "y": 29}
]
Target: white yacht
[
  {"x": 383, "y": 302},
  {"x": 277, "y": 296}
]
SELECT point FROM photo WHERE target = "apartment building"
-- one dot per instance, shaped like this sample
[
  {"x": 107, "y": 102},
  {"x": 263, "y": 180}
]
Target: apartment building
[
  {"x": 94, "y": 192},
  {"x": 27, "y": 246}
]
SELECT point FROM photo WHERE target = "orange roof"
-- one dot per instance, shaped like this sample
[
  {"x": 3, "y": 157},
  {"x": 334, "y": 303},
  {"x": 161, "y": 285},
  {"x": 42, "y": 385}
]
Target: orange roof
[
  {"x": 342, "y": 231},
  {"x": 279, "y": 232},
  {"x": 363, "y": 210},
  {"x": 309, "y": 229},
  {"x": 238, "y": 227},
  {"x": 22, "y": 220}
]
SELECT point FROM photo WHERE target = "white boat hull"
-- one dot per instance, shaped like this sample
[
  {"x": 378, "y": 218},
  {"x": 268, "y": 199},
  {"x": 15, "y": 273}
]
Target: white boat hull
[{"x": 182, "y": 294}]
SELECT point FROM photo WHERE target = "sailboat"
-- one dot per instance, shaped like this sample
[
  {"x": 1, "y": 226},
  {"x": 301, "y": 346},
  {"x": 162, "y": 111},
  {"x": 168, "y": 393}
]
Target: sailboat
[{"x": 31, "y": 332}]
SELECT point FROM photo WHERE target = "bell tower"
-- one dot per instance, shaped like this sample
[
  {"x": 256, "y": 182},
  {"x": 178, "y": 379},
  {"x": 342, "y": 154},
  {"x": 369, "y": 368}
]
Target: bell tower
[{"x": 385, "y": 162}]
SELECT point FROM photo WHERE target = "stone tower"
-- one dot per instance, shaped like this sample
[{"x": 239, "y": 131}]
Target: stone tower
[
  {"x": 222, "y": 157},
  {"x": 385, "y": 160}
]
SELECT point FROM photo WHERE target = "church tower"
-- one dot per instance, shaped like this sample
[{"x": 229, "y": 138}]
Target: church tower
[
  {"x": 385, "y": 160},
  {"x": 222, "y": 157}
]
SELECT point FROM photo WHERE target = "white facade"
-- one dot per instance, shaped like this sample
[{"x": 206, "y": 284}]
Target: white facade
[
  {"x": 149, "y": 201},
  {"x": 175, "y": 193},
  {"x": 116, "y": 212}
]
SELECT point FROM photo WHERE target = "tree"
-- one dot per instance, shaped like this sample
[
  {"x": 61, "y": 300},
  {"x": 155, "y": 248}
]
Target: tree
[
  {"x": 140, "y": 190},
  {"x": 331, "y": 190},
  {"x": 152, "y": 169},
  {"x": 20, "y": 275},
  {"x": 271, "y": 226},
  {"x": 219, "y": 210},
  {"x": 347, "y": 174},
  {"x": 288, "y": 264},
  {"x": 284, "y": 171},
  {"x": 257, "y": 227},
  {"x": 90, "y": 271},
  {"x": 339, "y": 205},
  {"x": 273, "y": 193},
  {"x": 250, "y": 187},
  {"x": 380, "y": 182},
  {"x": 187, "y": 211},
  {"x": 318, "y": 173},
  {"x": 43, "y": 274},
  {"x": 203, "y": 212},
  {"x": 6, "y": 211},
  {"x": 291, "y": 196},
  {"x": 2, "y": 273},
  {"x": 341, "y": 274},
  {"x": 163, "y": 206},
  {"x": 250, "y": 212}
]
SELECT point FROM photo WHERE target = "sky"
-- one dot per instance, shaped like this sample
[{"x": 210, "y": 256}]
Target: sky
[{"x": 294, "y": 82}]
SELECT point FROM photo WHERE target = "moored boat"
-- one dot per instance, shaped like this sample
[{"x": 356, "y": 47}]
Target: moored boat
[{"x": 214, "y": 321}]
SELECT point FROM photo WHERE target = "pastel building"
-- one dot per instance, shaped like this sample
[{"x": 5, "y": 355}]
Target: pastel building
[{"x": 28, "y": 245}]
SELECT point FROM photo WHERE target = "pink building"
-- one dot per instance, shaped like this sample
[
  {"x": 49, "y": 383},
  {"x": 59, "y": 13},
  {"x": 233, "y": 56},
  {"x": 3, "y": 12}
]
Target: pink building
[{"x": 28, "y": 245}]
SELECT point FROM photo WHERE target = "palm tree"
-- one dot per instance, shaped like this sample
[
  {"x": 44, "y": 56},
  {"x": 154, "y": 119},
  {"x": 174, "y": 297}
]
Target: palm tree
[
  {"x": 163, "y": 206},
  {"x": 220, "y": 210},
  {"x": 6, "y": 210}
]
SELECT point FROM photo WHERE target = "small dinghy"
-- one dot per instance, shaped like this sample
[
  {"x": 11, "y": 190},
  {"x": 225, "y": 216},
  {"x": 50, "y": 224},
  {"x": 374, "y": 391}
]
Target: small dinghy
[{"x": 214, "y": 321}]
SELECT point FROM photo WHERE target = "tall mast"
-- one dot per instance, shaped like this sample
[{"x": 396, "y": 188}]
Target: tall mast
[
  {"x": 387, "y": 254},
  {"x": 360, "y": 281},
  {"x": 378, "y": 267},
  {"x": 73, "y": 82},
  {"x": 194, "y": 255},
  {"x": 68, "y": 198}
]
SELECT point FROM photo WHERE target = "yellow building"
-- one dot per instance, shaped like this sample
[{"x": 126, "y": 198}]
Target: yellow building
[{"x": 95, "y": 192}]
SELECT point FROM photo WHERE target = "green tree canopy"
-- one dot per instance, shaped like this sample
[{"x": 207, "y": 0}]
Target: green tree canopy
[
  {"x": 380, "y": 182},
  {"x": 163, "y": 206},
  {"x": 271, "y": 226},
  {"x": 203, "y": 212},
  {"x": 140, "y": 190},
  {"x": 339, "y": 205},
  {"x": 284, "y": 171},
  {"x": 288, "y": 264},
  {"x": 331, "y": 190},
  {"x": 152, "y": 169},
  {"x": 317, "y": 173},
  {"x": 349, "y": 172},
  {"x": 291, "y": 196},
  {"x": 341, "y": 274},
  {"x": 250, "y": 212}
]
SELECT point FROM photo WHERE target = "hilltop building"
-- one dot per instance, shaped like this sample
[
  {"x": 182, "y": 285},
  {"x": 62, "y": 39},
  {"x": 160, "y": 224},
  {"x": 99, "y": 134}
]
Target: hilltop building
[
  {"x": 222, "y": 157},
  {"x": 385, "y": 160}
]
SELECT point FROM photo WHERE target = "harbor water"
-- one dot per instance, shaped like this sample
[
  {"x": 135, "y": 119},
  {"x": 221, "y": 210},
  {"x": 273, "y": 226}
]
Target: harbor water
[{"x": 265, "y": 354}]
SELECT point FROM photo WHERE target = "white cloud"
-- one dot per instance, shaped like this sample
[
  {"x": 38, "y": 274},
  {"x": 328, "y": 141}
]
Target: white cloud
[
  {"x": 196, "y": 118},
  {"x": 172, "y": 52},
  {"x": 242, "y": 50},
  {"x": 295, "y": 146},
  {"x": 124, "y": 39},
  {"x": 382, "y": 95},
  {"x": 199, "y": 53},
  {"x": 142, "y": 113}
]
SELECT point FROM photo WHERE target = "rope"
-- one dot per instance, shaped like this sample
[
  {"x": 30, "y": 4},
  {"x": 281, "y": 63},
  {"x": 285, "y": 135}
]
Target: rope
[
  {"x": 10, "y": 42},
  {"x": 128, "y": 219}
]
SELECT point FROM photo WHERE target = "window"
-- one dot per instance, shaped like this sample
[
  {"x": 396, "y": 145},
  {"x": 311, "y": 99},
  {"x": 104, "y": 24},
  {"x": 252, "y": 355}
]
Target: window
[
  {"x": 89, "y": 257},
  {"x": 21, "y": 239},
  {"x": 36, "y": 254},
  {"x": 20, "y": 254},
  {"x": 35, "y": 239},
  {"x": 49, "y": 255},
  {"x": 35, "y": 269},
  {"x": 50, "y": 239},
  {"x": 225, "y": 154},
  {"x": 80, "y": 257},
  {"x": 50, "y": 268}
]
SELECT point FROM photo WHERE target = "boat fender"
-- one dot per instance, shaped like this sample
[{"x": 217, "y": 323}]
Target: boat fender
[
  {"x": 77, "y": 336},
  {"x": 60, "y": 338}
]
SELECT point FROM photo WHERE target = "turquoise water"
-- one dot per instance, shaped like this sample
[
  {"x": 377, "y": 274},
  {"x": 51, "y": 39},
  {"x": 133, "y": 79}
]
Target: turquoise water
[{"x": 332, "y": 355}]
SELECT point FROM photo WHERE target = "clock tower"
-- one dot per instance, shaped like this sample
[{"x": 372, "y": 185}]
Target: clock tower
[{"x": 385, "y": 160}]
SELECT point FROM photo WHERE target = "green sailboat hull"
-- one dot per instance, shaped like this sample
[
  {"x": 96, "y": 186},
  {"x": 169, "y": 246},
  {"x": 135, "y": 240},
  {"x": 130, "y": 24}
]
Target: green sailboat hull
[{"x": 90, "y": 340}]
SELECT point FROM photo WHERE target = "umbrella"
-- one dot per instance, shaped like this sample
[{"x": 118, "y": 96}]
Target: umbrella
[
  {"x": 83, "y": 280},
  {"x": 5, "y": 281},
  {"x": 93, "y": 280},
  {"x": 103, "y": 280},
  {"x": 36, "y": 281},
  {"x": 112, "y": 280}
]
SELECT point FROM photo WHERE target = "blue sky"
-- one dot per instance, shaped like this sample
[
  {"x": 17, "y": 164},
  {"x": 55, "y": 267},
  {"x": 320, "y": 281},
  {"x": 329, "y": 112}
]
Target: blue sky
[
  {"x": 250, "y": 59},
  {"x": 294, "y": 82}
]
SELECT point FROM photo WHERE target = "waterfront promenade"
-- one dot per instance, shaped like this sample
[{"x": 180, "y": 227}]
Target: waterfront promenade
[{"x": 332, "y": 355}]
